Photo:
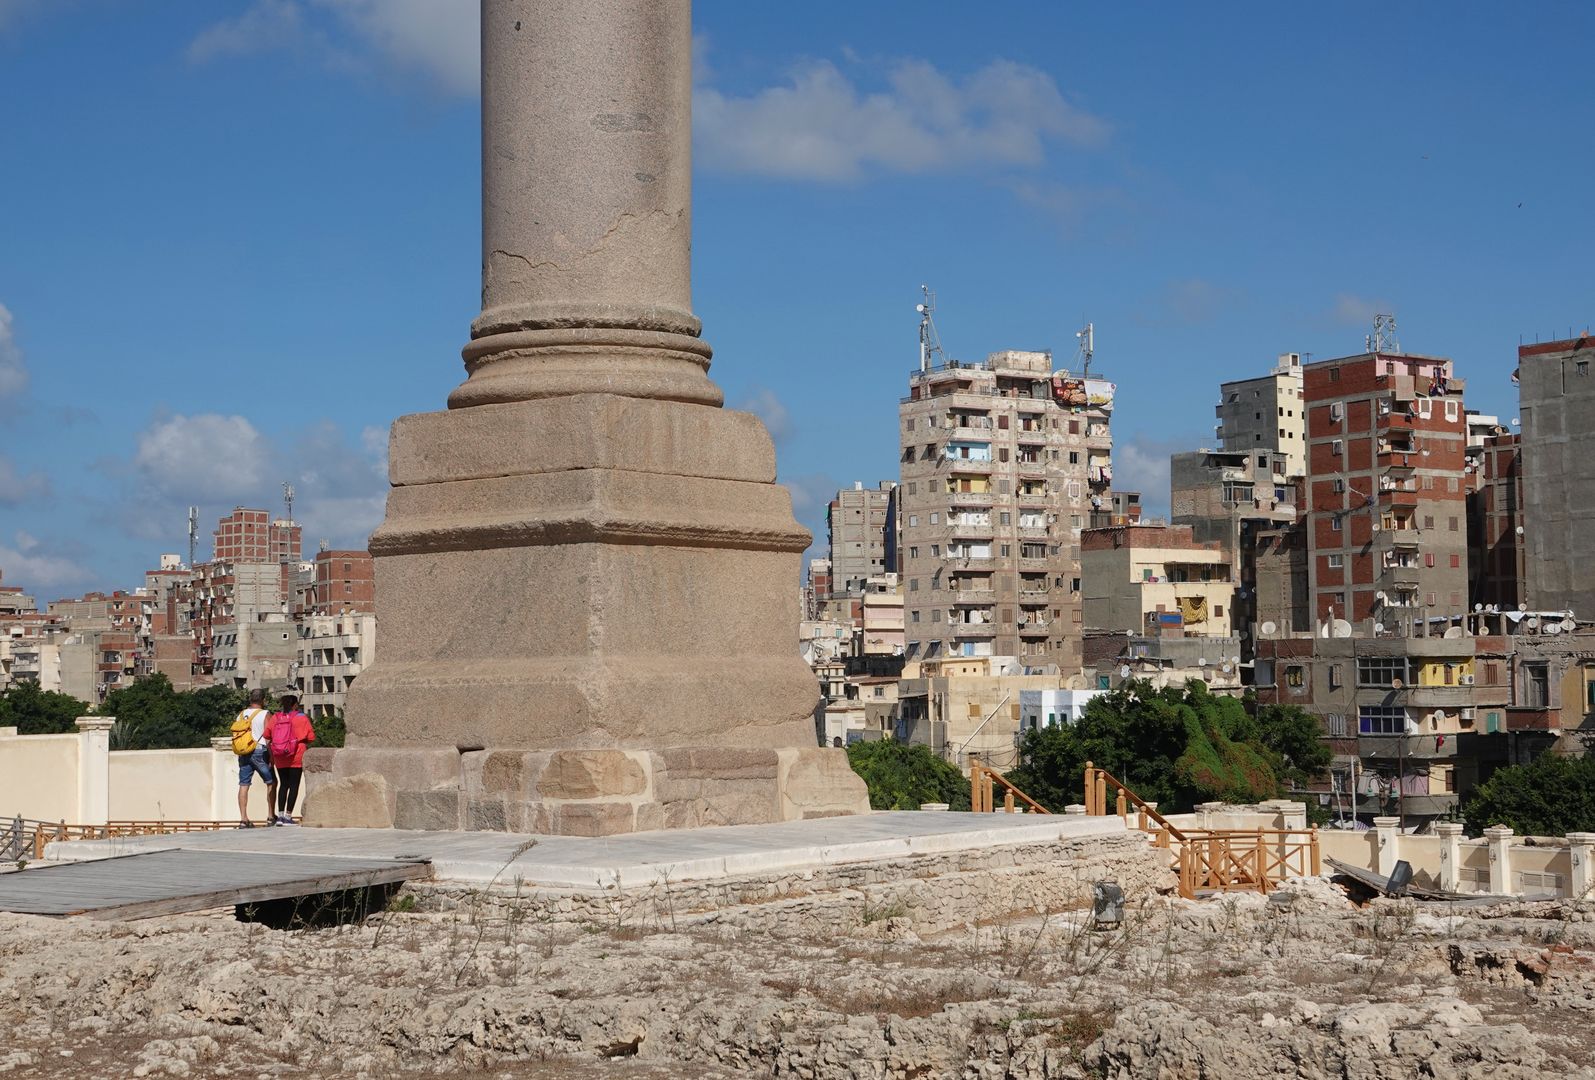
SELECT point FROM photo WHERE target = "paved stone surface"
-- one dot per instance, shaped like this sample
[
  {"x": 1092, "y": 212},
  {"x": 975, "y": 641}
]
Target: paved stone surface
[{"x": 636, "y": 859}]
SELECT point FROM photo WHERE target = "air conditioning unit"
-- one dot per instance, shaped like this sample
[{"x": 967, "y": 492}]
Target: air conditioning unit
[{"x": 1466, "y": 680}]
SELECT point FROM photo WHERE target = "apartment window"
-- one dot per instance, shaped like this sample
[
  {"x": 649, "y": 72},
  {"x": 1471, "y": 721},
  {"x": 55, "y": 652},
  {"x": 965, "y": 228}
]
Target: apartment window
[
  {"x": 1296, "y": 676},
  {"x": 1337, "y": 447},
  {"x": 930, "y": 421},
  {"x": 1334, "y": 524},
  {"x": 1380, "y": 671},
  {"x": 1337, "y": 676},
  {"x": 1338, "y": 486},
  {"x": 935, "y": 518},
  {"x": 1451, "y": 524},
  {"x": 913, "y": 521},
  {"x": 1002, "y": 453},
  {"x": 1005, "y": 549},
  {"x": 1234, "y": 397},
  {"x": 935, "y": 551},
  {"x": 1336, "y": 411},
  {"x": 913, "y": 551},
  {"x": 913, "y": 616},
  {"x": 1002, "y": 422},
  {"x": 908, "y": 425},
  {"x": 1451, "y": 408},
  {"x": 1428, "y": 521},
  {"x": 1074, "y": 427},
  {"x": 1534, "y": 685},
  {"x": 1334, "y": 374},
  {"x": 1337, "y": 562},
  {"x": 1005, "y": 518},
  {"x": 1074, "y": 587},
  {"x": 1456, "y": 562},
  {"x": 1425, "y": 408},
  {"x": 1257, "y": 416},
  {"x": 935, "y": 615},
  {"x": 1074, "y": 521},
  {"x": 1074, "y": 457},
  {"x": 1581, "y": 367},
  {"x": 913, "y": 584},
  {"x": 1381, "y": 720},
  {"x": 912, "y": 488},
  {"x": 1262, "y": 462}
]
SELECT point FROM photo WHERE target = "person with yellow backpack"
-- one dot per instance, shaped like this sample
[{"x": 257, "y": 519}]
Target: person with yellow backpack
[{"x": 254, "y": 756}]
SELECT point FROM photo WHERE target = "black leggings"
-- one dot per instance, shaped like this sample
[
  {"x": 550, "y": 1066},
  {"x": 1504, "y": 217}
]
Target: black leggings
[{"x": 288, "y": 788}]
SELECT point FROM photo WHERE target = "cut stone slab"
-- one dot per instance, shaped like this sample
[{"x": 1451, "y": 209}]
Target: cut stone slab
[{"x": 638, "y": 859}]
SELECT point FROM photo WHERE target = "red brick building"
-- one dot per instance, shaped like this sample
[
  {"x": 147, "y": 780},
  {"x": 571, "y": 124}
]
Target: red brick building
[
  {"x": 1495, "y": 524},
  {"x": 344, "y": 582},
  {"x": 253, "y": 536},
  {"x": 1387, "y": 502}
]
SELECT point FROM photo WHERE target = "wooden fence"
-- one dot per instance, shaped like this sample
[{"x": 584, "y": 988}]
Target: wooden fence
[{"x": 25, "y": 838}]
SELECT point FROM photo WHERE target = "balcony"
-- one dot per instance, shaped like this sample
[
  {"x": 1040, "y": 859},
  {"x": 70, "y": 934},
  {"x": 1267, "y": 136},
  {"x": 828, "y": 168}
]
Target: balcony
[
  {"x": 974, "y": 630},
  {"x": 969, "y": 498},
  {"x": 1038, "y": 532},
  {"x": 1032, "y": 498},
  {"x": 970, "y": 562},
  {"x": 1033, "y": 629},
  {"x": 1402, "y": 577},
  {"x": 1405, "y": 747},
  {"x": 975, "y": 597},
  {"x": 1037, "y": 593},
  {"x": 1440, "y": 697},
  {"x": 1396, "y": 540},
  {"x": 1034, "y": 563},
  {"x": 967, "y": 465},
  {"x": 1396, "y": 497},
  {"x": 970, "y": 530}
]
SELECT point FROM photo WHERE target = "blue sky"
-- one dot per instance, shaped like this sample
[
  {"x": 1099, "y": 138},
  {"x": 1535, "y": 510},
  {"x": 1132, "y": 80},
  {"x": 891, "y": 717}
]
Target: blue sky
[{"x": 238, "y": 237}]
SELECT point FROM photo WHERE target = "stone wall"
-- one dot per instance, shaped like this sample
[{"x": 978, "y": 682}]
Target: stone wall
[{"x": 925, "y": 893}]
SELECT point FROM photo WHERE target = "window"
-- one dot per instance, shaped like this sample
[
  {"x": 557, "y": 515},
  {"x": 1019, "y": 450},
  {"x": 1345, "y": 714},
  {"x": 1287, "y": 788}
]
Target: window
[
  {"x": 1425, "y": 408},
  {"x": 1337, "y": 447},
  {"x": 1002, "y": 421},
  {"x": 1005, "y": 518},
  {"x": 1295, "y": 676},
  {"x": 1451, "y": 523},
  {"x": 913, "y": 551},
  {"x": 1337, "y": 562},
  {"x": 1338, "y": 486},
  {"x": 1381, "y": 720},
  {"x": 935, "y": 615},
  {"x": 1456, "y": 562},
  {"x": 1074, "y": 457},
  {"x": 913, "y": 584},
  {"x": 935, "y": 518},
  {"x": 1336, "y": 411},
  {"x": 1451, "y": 408},
  {"x": 1337, "y": 677},
  {"x": 913, "y": 521},
  {"x": 935, "y": 551},
  {"x": 909, "y": 424},
  {"x": 1581, "y": 367},
  {"x": 1381, "y": 671},
  {"x": 1004, "y": 549},
  {"x": 1534, "y": 685},
  {"x": 913, "y": 616},
  {"x": 913, "y": 488},
  {"x": 1334, "y": 524}
]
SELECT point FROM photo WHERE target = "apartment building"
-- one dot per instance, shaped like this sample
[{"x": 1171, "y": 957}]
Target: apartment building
[
  {"x": 1142, "y": 579},
  {"x": 333, "y": 650},
  {"x": 257, "y": 653},
  {"x": 1386, "y": 501},
  {"x": 1002, "y": 463},
  {"x": 344, "y": 582},
  {"x": 1496, "y": 550},
  {"x": 1556, "y": 408},
  {"x": 248, "y": 535},
  {"x": 1266, "y": 414},
  {"x": 862, "y": 525},
  {"x": 1164, "y": 660},
  {"x": 963, "y": 706}
]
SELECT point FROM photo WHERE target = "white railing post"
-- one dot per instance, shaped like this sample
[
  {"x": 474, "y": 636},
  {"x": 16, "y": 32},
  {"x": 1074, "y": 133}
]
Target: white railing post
[
  {"x": 1387, "y": 832},
  {"x": 1450, "y": 833},
  {"x": 1581, "y": 845},
  {"x": 1500, "y": 840},
  {"x": 223, "y": 779},
  {"x": 94, "y": 770}
]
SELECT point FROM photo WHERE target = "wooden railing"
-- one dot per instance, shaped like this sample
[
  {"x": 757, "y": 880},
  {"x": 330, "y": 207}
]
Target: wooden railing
[
  {"x": 20, "y": 836},
  {"x": 983, "y": 780}
]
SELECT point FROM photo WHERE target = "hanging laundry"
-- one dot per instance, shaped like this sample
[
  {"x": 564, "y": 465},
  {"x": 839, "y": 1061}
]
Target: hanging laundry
[{"x": 1193, "y": 609}]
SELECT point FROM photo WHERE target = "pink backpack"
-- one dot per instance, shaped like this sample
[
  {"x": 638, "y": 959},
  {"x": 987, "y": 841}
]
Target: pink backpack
[{"x": 283, "y": 741}]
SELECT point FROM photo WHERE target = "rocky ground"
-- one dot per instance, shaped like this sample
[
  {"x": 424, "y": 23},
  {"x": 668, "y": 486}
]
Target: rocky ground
[{"x": 1302, "y": 984}]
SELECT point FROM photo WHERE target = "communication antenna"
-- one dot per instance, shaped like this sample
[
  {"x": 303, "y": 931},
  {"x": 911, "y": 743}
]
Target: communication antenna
[
  {"x": 1383, "y": 338},
  {"x": 1088, "y": 348},
  {"x": 929, "y": 340},
  {"x": 323, "y": 546},
  {"x": 193, "y": 533},
  {"x": 288, "y": 501}
]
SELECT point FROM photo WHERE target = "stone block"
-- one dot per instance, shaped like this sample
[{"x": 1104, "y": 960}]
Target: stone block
[
  {"x": 407, "y": 769},
  {"x": 595, "y": 819},
  {"x": 591, "y": 774},
  {"x": 819, "y": 782},
  {"x": 320, "y": 759},
  {"x": 363, "y": 801},
  {"x": 488, "y": 813},
  {"x": 509, "y": 772},
  {"x": 719, "y": 763},
  {"x": 427, "y": 810}
]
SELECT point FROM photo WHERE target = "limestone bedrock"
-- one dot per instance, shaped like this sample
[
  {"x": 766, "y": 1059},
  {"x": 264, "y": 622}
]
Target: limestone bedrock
[{"x": 586, "y": 569}]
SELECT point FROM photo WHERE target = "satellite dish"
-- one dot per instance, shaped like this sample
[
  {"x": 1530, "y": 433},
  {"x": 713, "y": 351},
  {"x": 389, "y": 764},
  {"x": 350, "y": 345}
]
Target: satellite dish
[
  {"x": 1396, "y": 684},
  {"x": 1268, "y": 628},
  {"x": 1381, "y": 597},
  {"x": 1124, "y": 671},
  {"x": 1452, "y": 632},
  {"x": 1226, "y": 667},
  {"x": 1378, "y": 628},
  {"x": 1201, "y": 661},
  {"x": 1569, "y": 624},
  {"x": 1532, "y": 623},
  {"x": 1522, "y": 607},
  {"x": 1341, "y": 628},
  {"x": 1478, "y": 607},
  {"x": 1553, "y": 628},
  {"x": 1518, "y": 530}
]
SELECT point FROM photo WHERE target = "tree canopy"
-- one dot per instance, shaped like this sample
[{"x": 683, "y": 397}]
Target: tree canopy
[
  {"x": 901, "y": 776},
  {"x": 39, "y": 712},
  {"x": 1176, "y": 746},
  {"x": 1550, "y": 796}
]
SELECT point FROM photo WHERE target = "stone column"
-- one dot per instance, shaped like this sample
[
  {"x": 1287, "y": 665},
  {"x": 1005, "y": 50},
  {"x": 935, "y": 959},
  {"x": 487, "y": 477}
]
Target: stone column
[
  {"x": 586, "y": 574},
  {"x": 94, "y": 769},
  {"x": 1581, "y": 845},
  {"x": 1387, "y": 838},
  {"x": 1450, "y": 833},
  {"x": 1499, "y": 838}
]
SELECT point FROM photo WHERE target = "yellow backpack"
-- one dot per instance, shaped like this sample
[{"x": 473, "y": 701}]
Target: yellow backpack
[{"x": 244, "y": 733}]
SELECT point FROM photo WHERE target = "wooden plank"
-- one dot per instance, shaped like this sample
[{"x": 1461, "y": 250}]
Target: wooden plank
[{"x": 175, "y": 881}]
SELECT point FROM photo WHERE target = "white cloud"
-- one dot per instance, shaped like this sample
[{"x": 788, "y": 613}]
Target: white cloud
[
  {"x": 16, "y": 487},
  {"x": 1187, "y": 302},
  {"x": 26, "y": 565},
  {"x": 1141, "y": 463},
  {"x": 13, "y": 372},
  {"x": 821, "y": 126},
  {"x": 439, "y": 39},
  {"x": 1350, "y": 310},
  {"x": 763, "y": 403},
  {"x": 208, "y": 456}
]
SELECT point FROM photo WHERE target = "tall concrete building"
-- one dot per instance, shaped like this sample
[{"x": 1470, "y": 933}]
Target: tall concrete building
[
  {"x": 1266, "y": 414},
  {"x": 862, "y": 523},
  {"x": 1495, "y": 523},
  {"x": 1002, "y": 464},
  {"x": 1387, "y": 511},
  {"x": 1556, "y": 405},
  {"x": 343, "y": 582}
]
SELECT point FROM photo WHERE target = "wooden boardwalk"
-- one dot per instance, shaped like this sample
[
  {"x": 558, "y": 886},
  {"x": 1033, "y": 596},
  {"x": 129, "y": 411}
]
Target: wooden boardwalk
[{"x": 180, "y": 880}]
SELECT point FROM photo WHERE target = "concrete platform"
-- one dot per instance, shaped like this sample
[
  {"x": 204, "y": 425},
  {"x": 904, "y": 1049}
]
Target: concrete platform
[{"x": 636, "y": 859}]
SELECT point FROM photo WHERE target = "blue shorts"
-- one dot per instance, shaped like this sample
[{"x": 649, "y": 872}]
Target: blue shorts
[{"x": 250, "y": 764}]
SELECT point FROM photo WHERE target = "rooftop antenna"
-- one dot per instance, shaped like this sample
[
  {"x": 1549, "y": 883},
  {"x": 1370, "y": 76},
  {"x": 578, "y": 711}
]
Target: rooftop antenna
[
  {"x": 1088, "y": 348},
  {"x": 1383, "y": 338},
  {"x": 929, "y": 340},
  {"x": 288, "y": 501},
  {"x": 193, "y": 533}
]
